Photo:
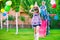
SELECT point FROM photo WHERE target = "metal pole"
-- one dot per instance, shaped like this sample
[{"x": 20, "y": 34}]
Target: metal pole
[
  {"x": 7, "y": 22},
  {"x": 16, "y": 23},
  {"x": 1, "y": 22}
]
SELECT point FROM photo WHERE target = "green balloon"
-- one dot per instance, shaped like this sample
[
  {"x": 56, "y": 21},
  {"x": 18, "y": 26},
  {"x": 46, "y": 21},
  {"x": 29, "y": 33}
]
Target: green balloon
[{"x": 7, "y": 8}]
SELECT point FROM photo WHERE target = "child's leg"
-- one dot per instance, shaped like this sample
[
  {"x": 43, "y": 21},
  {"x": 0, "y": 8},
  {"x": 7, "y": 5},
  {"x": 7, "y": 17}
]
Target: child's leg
[
  {"x": 34, "y": 30},
  {"x": 37, "y": 33},
  {"x": 37, "y": 29},
  {"x": 34, "y": 33}
]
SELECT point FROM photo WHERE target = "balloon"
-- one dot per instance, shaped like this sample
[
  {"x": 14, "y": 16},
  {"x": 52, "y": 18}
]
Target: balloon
[
  {"x": 9, "y": 3},
  {"x": 53, "y": 2},
  {"x": 7, "y": 8},
  {"x": 56, "y": 17},
  {"x": 54, "y": 6},
  {"x": 5, "y": 13},
  {"x": 31, "y": 6},
  {"x": 2, "y": 10}
]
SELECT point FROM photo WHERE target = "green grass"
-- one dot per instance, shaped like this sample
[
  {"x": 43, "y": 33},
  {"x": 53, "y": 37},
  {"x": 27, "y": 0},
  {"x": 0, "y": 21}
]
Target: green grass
[{"x": 27, "y": 34}]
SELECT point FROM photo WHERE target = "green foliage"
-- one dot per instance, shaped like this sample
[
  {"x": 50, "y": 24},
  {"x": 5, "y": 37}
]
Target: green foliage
[
  {"x": 4, "y": 20},
  {"x": 22, "y": 18},
  {"x": 16, "y": 5},
  {"x": 55, "y": 24},
  {"x": 27, "y": 3},
  {"x": 11, "y": 18},
  {"x": 17, "y": 8},
  {"x": 2, "y": 3}
]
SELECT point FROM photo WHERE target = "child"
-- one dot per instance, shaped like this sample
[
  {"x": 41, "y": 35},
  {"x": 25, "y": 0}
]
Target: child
[
  {"x": 36, "y": 21},
  {"x": 43, "y": 10}
]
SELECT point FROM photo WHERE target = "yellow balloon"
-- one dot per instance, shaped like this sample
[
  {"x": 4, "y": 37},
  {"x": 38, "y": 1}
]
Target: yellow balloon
[
  {"x": 0, "y": 0},
  {"x": 2, "y": 10},
  {"x": 31, "y": 6}
]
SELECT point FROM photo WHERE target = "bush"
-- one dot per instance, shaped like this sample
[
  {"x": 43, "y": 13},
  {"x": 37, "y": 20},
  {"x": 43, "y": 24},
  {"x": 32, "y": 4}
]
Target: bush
[
  {"x": 11, "y": 18},
  {"x": 4, "y": 20},
  {"x": 22, "y": 18},
  {"x": 55, "y": 24}
]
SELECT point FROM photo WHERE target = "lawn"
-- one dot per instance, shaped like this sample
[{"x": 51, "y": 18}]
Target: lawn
[{"x": 27, "y": 34}]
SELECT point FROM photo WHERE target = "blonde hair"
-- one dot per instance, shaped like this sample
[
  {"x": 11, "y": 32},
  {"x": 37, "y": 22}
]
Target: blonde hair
[{"x": 43, "y": 2}]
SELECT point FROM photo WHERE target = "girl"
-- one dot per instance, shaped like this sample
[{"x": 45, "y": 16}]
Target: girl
[
  {"x": 43, "y": 10},
  {"x": 36, "y": 21}
]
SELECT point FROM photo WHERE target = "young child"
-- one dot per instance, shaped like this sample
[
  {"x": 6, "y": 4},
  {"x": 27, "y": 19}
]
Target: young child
[
  {"x": 43, "y": 10},
  {"x": 36, "y": 21}
]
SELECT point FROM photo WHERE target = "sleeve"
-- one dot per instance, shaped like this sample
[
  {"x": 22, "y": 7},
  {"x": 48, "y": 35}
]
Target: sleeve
[
  {"x": 45, "y": 7},
  {"x": 39, "y": 10},
  {"x": 40, "y": 7}
]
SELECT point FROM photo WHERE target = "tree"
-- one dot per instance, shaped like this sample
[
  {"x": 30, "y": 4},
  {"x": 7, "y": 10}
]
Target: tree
[
  {"x": 27, "y": 3},
  {"x": 11, "y": 18},
  {"x": 16, "y": 7},
  {"x": 22, "y": 18}
]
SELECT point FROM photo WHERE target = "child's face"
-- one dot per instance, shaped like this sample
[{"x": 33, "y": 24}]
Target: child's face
[
  {"x": 36, "y": 9},
  {"x": 43, "y": 3}
]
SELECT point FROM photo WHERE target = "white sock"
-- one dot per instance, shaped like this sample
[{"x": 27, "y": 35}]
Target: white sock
[{"x": 36, "y": 36}]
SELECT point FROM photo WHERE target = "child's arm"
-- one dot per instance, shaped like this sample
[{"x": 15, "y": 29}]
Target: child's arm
[
  {"x": 31, "y": 10},
  {"x": 39, "y": 10}
]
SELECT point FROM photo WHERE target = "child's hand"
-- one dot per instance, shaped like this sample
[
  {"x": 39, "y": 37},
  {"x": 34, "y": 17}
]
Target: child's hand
[{"x": 31, "y": 10}]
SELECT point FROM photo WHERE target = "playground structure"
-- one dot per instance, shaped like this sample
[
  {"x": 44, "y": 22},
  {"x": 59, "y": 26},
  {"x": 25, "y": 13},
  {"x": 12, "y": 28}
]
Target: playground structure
[{"x": 42, "y": 29}]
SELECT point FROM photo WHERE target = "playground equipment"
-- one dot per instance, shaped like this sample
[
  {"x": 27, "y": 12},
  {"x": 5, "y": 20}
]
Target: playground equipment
[{"x": 42, "y": 29}]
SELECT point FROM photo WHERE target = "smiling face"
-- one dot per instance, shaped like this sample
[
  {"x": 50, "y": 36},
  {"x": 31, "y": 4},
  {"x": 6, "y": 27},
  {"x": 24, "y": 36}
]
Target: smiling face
[
  {"x": 43, "y": 2},
  {"x": 36, "y": 10}
]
